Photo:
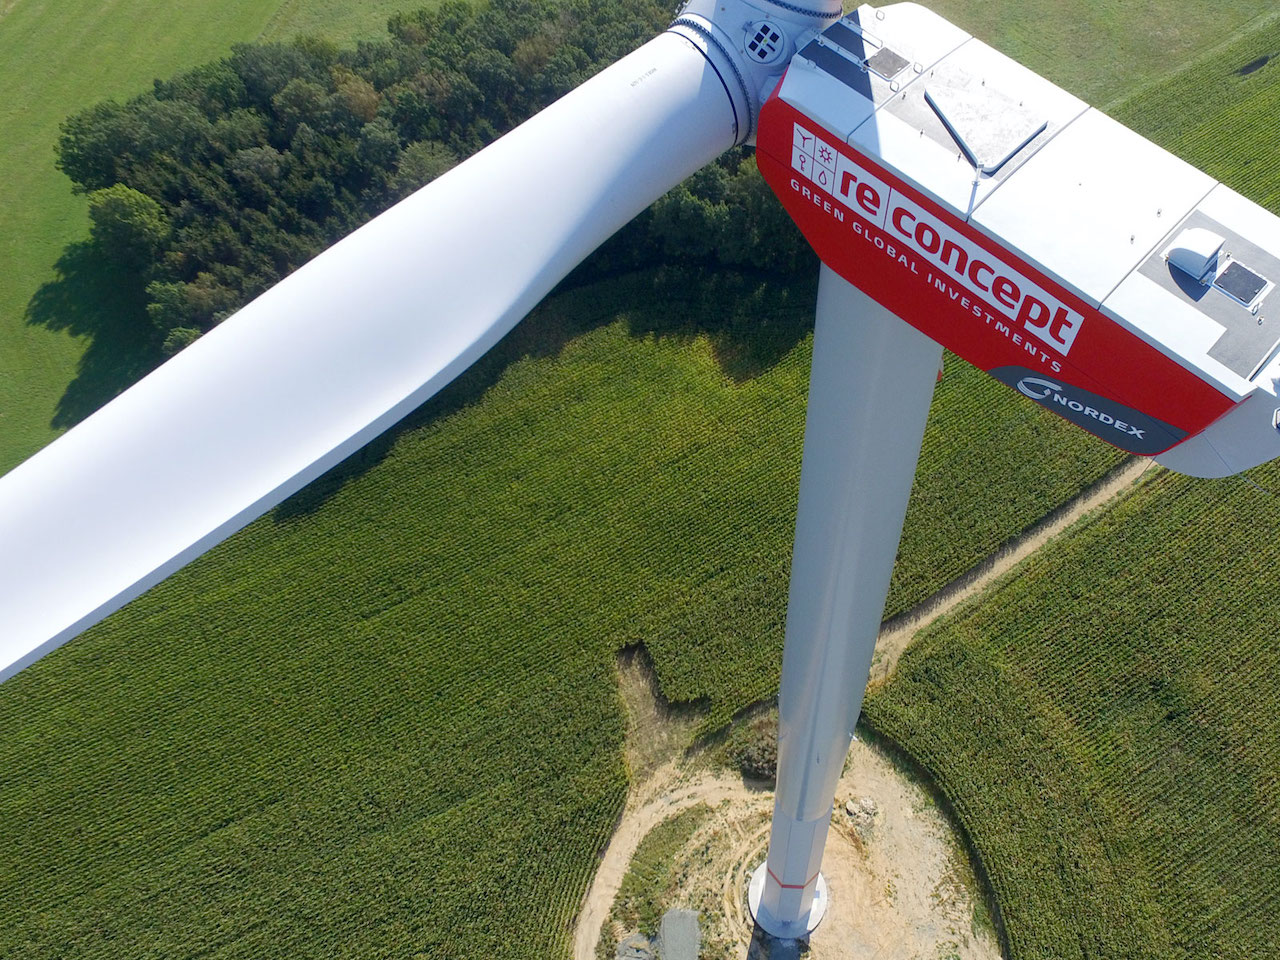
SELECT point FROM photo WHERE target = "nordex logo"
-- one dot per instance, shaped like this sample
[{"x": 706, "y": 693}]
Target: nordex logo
[
  {"x": 1123, "y": 426},
  {"x": 1047, "y": 391},
  {"x": 1037, "y": 389}
]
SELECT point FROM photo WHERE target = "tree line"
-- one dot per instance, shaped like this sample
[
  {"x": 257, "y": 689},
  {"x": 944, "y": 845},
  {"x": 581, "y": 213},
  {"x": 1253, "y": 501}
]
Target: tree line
[{"x": 212, "y": 186}]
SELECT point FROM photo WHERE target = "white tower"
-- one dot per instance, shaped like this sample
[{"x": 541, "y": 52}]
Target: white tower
[{"x": 869, "y": 393}]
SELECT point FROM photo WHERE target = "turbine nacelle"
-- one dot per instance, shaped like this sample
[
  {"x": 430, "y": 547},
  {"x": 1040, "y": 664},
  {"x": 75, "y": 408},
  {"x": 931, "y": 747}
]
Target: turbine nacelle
[
  {"x": 1034, "y": 236},
  {"x": 946, "y": 186},
  {"x": 940, "y": 183}
]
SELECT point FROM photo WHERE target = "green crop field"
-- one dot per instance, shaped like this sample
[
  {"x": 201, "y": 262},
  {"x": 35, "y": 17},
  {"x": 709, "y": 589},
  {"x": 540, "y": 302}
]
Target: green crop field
[
  {"x": 55, "y": 59},
  {"x": 1222, "y": 116},
  {"x": 1105, "y": 721},
  {"x": 384, "y": 719},
  {"x": 1105, "y": 724}
]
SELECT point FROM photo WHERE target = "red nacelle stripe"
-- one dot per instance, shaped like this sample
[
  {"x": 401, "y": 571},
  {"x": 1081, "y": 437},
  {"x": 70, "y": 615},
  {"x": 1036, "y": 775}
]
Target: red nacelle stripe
[{"x": 954, "y": 284}]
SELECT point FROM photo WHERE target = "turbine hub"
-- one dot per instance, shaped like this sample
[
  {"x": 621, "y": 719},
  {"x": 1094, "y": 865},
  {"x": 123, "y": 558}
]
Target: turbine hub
[{"x": 749, "y": 43}]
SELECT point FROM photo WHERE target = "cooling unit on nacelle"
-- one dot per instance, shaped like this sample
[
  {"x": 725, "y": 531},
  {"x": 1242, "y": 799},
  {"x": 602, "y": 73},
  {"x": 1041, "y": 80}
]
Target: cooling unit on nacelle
[{"x": 1035, "y": 237}]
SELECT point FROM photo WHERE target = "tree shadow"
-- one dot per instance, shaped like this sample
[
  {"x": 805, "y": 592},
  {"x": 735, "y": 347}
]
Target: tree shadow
[
  {"x": 92, "y": 297},
  {"x": 752, "y": 320}
]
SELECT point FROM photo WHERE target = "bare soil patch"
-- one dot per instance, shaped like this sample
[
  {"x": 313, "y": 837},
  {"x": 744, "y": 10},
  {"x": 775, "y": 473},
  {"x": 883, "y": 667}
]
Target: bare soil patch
[
  {"x": 657, "y": 731},
  {"x": 900, "y": 883},
  {"x": 898, "y": 879}
]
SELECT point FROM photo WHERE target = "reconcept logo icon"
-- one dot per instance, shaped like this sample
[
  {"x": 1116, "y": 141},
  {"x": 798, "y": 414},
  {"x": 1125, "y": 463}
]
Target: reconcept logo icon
[{"x": 952, "y": 255}]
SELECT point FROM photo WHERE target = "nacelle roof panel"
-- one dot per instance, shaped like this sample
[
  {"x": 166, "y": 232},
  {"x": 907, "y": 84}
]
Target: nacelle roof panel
[{"x": 1093, "y": 204}]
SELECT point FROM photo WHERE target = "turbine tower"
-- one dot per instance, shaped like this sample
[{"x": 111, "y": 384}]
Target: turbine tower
[
  {"x": 955, "y": 199},
  {"x": 958, "y": 199}
]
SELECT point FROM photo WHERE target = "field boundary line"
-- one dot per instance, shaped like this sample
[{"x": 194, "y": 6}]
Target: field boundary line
[
  {"x": 278, "y": 16},
  {"x": 897, "y": 633}
]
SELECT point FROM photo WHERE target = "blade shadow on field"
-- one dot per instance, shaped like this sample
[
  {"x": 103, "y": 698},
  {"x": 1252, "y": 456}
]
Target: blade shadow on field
[
  {"x": 752, "y": 320},
  {"x": 95, "y": 298}
]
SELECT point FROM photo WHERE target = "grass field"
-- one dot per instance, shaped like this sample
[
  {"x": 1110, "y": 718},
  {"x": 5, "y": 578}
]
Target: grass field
[
  {"x": 55, "y": 59},
  {"x": 645, "y": 892},
  {"x": 1105, "y": 721},
  {"x": 1222, "y": 116},
  {"x": 1101, "y": 50}
]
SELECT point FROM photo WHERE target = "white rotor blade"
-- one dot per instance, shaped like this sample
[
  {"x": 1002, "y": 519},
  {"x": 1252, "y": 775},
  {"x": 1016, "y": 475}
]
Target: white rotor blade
[{"x": 342, "y": 349}]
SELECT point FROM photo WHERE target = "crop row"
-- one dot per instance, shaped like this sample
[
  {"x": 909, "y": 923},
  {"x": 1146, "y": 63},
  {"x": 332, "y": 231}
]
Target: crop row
[
  {"x": 1220, "y": 115},
  {"x": 1105, "y": 724}
]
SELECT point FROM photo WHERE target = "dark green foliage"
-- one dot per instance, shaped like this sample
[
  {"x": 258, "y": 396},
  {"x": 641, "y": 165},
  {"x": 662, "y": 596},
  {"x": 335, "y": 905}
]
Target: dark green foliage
[
  {"x": 753, "y": 745},
  {"x": 179, "y": 338},
  {"x": 419, "y": 163},
  {"x": 725, "y": 214},
  {"x": 127, "y": 225},
  {"x": 256, "y": 163}
]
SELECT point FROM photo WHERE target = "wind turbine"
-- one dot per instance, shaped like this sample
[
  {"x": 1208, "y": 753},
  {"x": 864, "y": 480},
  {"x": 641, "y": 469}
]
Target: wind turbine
[{"x": 955, "y": 198}]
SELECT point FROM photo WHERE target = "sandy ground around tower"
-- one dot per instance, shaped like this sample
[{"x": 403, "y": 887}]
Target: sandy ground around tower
[{"x": 900, "y": 884}]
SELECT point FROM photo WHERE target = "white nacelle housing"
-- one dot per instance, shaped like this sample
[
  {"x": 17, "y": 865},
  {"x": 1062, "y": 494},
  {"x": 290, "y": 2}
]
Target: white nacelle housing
[{"x": 1170, "y": 274}]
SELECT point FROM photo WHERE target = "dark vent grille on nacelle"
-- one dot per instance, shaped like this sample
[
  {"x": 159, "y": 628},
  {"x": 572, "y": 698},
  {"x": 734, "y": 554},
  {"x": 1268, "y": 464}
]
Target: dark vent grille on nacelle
[{"x": 1240, "y": 283}]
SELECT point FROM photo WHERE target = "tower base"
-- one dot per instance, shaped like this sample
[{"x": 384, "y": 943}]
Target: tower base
[{"x": 786, "y": 931}]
